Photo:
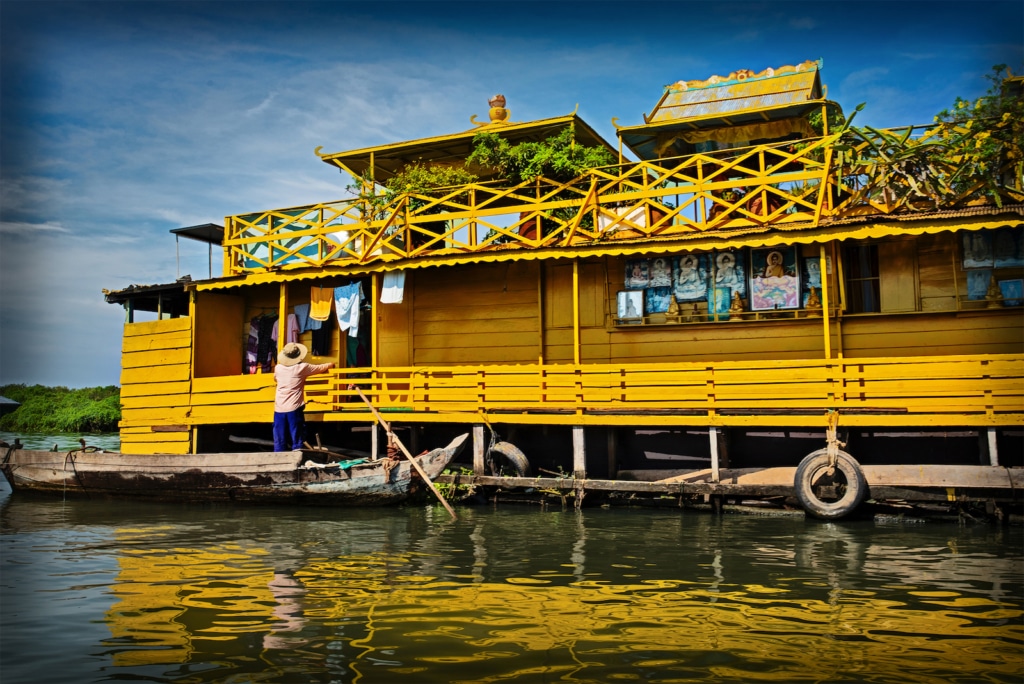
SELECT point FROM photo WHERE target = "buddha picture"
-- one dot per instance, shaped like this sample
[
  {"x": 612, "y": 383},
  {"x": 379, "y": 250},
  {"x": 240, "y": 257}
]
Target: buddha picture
[
  {"x": 691, "y": 281},
  {"x": 637, "y": 274},
  {"x": 775, "y": 283},
  {"x": 729, "y": 272}
]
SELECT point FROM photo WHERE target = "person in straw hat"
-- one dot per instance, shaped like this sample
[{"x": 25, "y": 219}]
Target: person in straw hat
[{"x": 289, "y": 400}]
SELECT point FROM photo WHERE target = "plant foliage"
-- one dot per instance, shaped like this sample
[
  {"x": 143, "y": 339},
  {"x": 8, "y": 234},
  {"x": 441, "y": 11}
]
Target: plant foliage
[
  {"x": 59, "y": 409},
  {"x": 558, "y": 157},
  {"x": 973, "y": 152}
]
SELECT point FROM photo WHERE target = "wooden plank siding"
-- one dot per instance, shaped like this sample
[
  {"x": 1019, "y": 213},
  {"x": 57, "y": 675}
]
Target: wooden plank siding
[
  {"x": 156, "y": 362},
  {"x": 477, "y": 313},
  {"x": 995, "y": 331}
]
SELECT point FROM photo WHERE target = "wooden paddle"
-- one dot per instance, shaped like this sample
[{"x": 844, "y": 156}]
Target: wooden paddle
[{"x": 387, "y": 428}]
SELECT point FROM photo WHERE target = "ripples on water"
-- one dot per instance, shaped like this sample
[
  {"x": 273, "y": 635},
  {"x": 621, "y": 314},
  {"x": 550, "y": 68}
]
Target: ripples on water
[{"x": 102, "y": 591}]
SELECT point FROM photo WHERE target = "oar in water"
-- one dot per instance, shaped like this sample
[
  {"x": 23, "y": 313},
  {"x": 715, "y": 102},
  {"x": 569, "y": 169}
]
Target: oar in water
[{"x": 387, "y": 428}]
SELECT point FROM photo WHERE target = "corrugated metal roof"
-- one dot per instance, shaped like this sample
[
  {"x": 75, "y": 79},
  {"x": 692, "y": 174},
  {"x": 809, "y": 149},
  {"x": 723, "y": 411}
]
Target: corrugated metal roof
[{"x": 856, "y": 228}]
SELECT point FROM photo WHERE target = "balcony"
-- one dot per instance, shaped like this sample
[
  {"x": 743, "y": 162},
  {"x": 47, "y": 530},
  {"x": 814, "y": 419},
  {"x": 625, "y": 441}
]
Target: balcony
[{"x": 789, "y": 185}]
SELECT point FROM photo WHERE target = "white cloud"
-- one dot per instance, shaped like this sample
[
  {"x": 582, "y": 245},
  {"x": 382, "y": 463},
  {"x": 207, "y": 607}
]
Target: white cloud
[{"x": 24, "y": 228}]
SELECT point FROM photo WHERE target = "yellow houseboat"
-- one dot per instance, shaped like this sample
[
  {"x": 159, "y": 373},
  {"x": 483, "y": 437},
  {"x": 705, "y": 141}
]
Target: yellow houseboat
[{"x": 761, "y": 306}]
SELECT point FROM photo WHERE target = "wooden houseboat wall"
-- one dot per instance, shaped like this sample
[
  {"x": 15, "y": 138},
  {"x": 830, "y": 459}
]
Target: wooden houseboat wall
[{"x": 521, "y": 331}]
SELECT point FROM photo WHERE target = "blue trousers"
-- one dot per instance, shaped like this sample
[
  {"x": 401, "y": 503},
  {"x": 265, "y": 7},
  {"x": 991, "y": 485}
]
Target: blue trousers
[{"x": 289, "y": 430}]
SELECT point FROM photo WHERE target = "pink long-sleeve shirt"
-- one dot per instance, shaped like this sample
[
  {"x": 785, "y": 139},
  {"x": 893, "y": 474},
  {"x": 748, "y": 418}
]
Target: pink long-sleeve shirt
[{"x": 291, "y": 384}]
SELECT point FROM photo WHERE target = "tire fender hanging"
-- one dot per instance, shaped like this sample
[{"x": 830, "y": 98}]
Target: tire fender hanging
[
  {"x": 509, "y": 453},
  {"x": 845, "y": 481}
]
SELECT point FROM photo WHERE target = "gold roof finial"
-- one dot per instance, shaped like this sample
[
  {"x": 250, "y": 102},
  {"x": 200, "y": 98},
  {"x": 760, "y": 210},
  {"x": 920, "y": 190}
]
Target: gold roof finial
[{"x": 498, "y": 114}]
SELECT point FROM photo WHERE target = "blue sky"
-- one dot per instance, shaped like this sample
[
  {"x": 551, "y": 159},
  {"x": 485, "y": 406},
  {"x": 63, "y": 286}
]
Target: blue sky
[{"x": 121, "y": 121}]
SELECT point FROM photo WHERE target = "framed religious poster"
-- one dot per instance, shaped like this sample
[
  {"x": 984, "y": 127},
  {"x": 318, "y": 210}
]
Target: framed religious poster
[
  {"x": 729, "y": 272},
  {"x": 661, "y": 272},
  {"x": 691, "y": 277},
  {"x": 630, "y": 304},
  {"x": 811, "y": 282},
  {"x": 656, "y": 299},
  {"x": 977, "y": 249},
  {"x": 1012, "y": 291},
  {"x": 1008, "y": 248},
  {"x": 977, "y": 283},
  {"x": 638, "y": 274},
  {"x": 774, "y": 279}
]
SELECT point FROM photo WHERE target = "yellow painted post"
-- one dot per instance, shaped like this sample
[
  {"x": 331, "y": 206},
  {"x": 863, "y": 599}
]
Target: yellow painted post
[
  {"x": 375, "y": 327},
  {"x": 282, "y": 316},
  {"x": 226, "y": 267},
  {"x": 824, "y": 300},
  {"x": 576, "y": 311}
]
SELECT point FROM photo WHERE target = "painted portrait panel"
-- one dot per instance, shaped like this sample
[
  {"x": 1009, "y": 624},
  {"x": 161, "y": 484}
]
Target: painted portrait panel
[
  {"x": 630, "y": 304},
  {"x": 661, "y": 272},
  {"x": 1008, "y": 248},
  {"x": 729, "y": 271},
  {"x": 977, "y": 283},
  {"x": 774, "y": 279},
  {"x": 638, "y": 274},
  {"x": 977, "y": 249},
  {"x": 657, "y": 299},
  {"x": 1012, "y": 291},
  {"x": 691, "y": 277}
]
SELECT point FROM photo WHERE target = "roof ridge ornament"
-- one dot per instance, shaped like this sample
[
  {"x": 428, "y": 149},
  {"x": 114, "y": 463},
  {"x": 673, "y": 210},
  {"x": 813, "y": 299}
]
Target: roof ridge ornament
[
  {"x": 741, "y": 75},
  {"x": 498, "y": 114}
]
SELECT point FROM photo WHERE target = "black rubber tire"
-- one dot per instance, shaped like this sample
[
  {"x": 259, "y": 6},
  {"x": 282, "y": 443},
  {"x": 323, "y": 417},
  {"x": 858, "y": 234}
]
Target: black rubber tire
[
  {"x": 848, "y": 480},
  {"x": 512, "y": 455}
]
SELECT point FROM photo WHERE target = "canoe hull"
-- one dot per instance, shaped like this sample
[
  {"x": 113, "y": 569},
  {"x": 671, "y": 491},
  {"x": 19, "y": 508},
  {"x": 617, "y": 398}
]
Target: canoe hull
[{"x": 271, "y": 477}]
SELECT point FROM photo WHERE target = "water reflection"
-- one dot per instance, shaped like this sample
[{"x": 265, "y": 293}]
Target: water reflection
[{"x": 192, "y": 594}]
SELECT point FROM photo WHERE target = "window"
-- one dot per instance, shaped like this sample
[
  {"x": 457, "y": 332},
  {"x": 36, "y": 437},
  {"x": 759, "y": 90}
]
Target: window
[{"x": 862, "y": 283}]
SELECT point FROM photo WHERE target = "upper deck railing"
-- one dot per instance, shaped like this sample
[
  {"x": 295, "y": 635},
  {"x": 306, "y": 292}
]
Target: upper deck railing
[{"x": 728, "y": 192}]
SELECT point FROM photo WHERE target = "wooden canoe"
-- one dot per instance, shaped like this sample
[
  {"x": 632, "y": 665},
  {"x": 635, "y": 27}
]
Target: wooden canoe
[{"x": 293, "y": 477}]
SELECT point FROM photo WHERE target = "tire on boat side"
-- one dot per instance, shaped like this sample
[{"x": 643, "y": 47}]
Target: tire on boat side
[
  {"x": 512, "y": 455},
  {"x": 848, "y": 479}
]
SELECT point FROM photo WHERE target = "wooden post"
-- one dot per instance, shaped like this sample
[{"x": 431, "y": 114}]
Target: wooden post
[
  {"x": 613, "y": 452},
  {"x": 479, "y": 450},
  {"x": 576, "y": 311},
  {"x": 713, "y": 440},
  {"x": 993, "y": 448},
  {"x": 823, "y": 277},
  {"x": 579, "y": 453},
  {"x": 374, "y": 442}
]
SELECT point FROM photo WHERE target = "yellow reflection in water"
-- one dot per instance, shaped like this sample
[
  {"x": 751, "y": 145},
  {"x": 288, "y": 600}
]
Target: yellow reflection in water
[{"x": 175, "y": 603}]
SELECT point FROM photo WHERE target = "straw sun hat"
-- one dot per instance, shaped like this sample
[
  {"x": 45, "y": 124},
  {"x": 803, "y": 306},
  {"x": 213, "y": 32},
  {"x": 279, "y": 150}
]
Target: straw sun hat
[{"x": 292, "y": 353}]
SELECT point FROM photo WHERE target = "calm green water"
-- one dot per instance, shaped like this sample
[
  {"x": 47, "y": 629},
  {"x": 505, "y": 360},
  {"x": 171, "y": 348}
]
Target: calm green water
[{"x": 95, "y": 591}]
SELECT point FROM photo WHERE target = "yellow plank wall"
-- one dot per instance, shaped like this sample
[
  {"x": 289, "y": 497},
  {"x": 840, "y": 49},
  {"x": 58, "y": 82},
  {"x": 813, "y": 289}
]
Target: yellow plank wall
[
  {"x": 476, "y": 313},
  {"x": 155, "y": 368}
]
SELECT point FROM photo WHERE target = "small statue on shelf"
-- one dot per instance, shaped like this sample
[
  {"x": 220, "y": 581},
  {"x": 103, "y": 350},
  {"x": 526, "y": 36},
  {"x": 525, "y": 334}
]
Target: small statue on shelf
[
  {"x": 994, "y": 295},
  {"x": 673, "y": 309},
  {"x": 813, "y": 301},
  {"x": 737, "y": 304}
]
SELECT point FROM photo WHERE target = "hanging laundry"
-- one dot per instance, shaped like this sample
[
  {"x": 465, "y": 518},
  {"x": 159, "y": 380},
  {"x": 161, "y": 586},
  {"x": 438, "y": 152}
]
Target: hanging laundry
[
  {"x": 252, "y": 346},
  {"x": 393, "y": 288},
  {"x": 291, "y": 329},
  {"x": 347, "y": 301},
  {"x": 320, "y": 299},
  {"x": 267, "y": 343},
  {"x": 305, "y": 322},
  {"x": 321, "y": 342}
]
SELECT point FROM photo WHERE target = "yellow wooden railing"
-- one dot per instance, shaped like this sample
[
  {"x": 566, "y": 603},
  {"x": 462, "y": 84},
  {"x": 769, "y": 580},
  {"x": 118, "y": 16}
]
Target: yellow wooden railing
[
  {"x": 687, "y": 195},
  {"x": 733, "y": 190},
  {"x": 949, "y": 390}
]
